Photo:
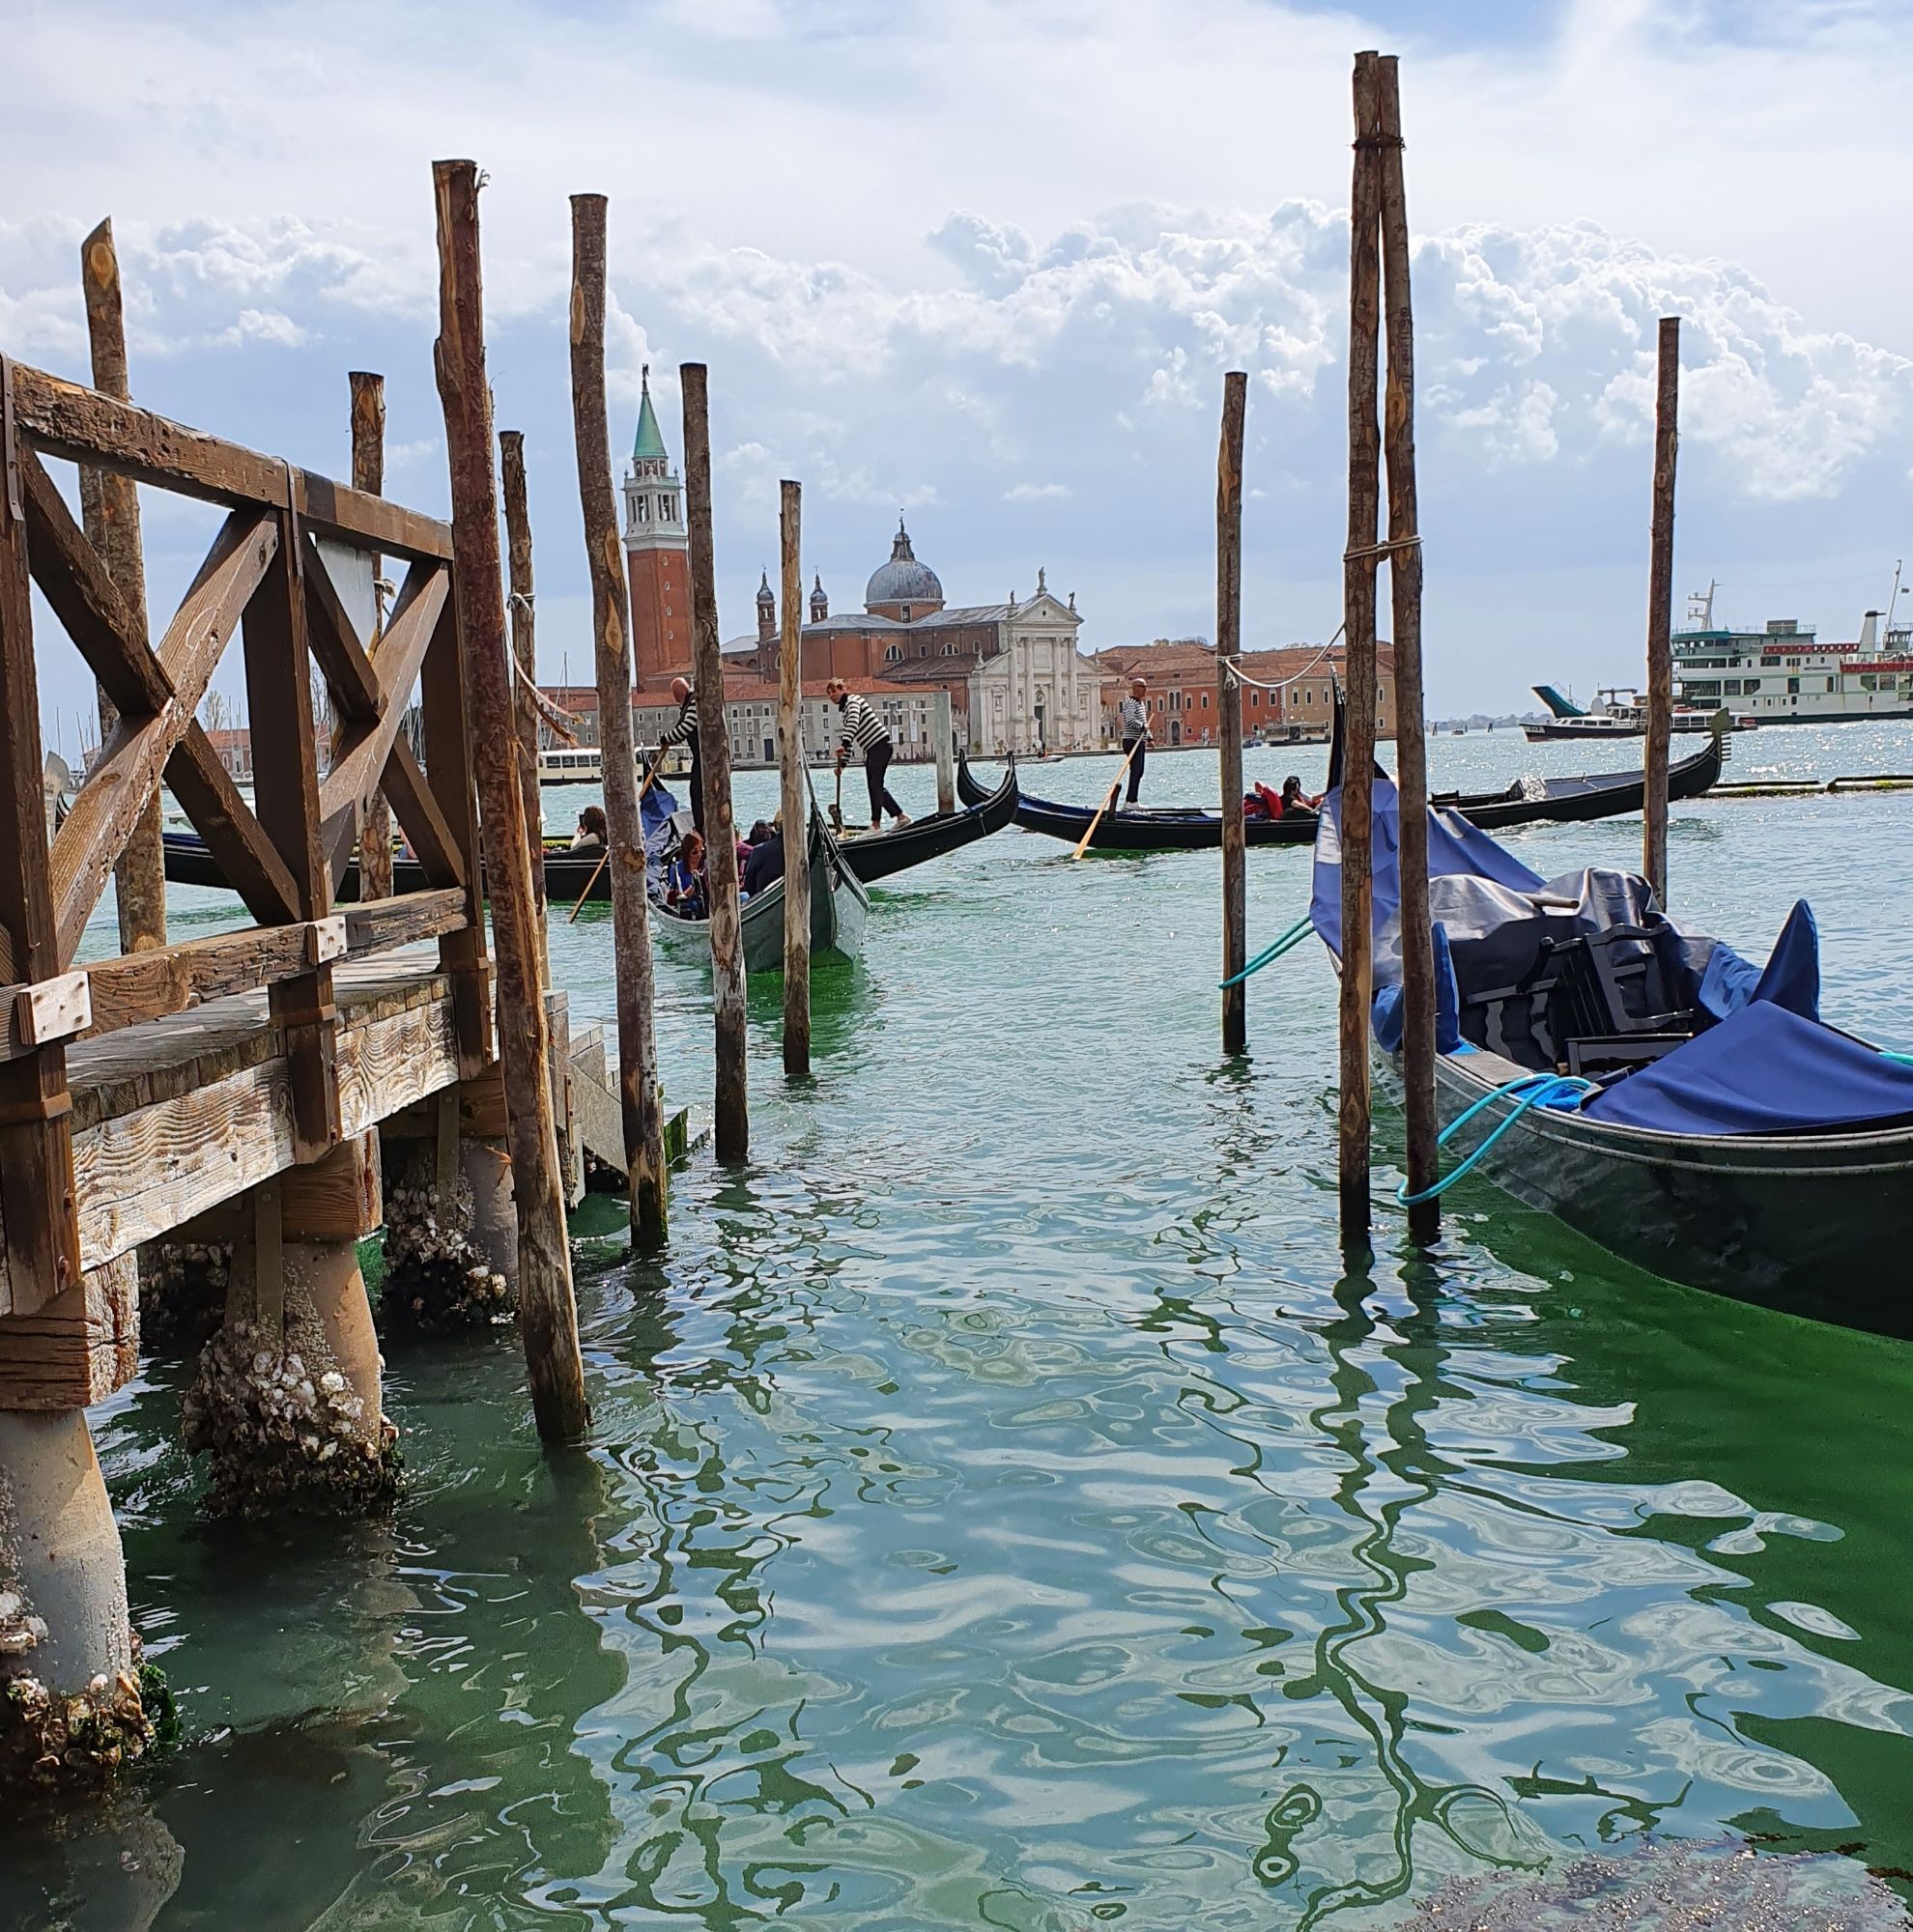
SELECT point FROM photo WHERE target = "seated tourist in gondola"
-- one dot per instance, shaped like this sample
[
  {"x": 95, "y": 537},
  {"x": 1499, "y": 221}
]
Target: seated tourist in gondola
[
  {"x": 684, "y": 881},
  {"x": 1294, "y": 799},
  {"x": 766, "y": 864},
  {"x": 593, "y": 833}
]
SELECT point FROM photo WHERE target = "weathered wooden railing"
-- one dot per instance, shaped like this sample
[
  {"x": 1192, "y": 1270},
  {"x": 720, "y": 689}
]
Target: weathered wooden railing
[{"x": 265, "y": 577}]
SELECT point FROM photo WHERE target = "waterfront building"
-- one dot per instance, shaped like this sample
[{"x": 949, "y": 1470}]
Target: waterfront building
[{"x": 1181, "y": 674}]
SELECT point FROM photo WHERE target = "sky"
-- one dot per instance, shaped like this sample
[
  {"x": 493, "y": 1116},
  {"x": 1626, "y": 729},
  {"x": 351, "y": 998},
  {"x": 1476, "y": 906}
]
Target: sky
[{"x": 987, "y": 261}]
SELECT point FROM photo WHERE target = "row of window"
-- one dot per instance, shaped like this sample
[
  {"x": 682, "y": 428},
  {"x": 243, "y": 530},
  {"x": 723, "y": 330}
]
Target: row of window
[{"x": 640, "y": 508}]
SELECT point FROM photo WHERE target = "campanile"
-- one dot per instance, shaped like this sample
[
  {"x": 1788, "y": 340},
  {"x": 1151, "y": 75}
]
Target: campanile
[{"x": 657, "y": 554}]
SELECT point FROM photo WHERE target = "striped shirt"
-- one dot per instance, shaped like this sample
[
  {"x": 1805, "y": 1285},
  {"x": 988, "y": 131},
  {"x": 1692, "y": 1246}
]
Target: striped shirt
[
  {"x": 685, "y": 731},
  {"x": 1134, "y": 715},
  {"x": 862, "y": 727}
]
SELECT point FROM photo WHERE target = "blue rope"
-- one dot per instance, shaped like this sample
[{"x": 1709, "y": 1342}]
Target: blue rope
[
  {"x": 1291, "y": 939},
  {"x": 1532, "y": 1089}
]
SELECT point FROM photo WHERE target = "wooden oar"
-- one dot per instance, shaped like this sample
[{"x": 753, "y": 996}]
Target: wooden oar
[
  {"x": 836, "y": 804},
  {"x": 1082, "y": 845},
  {"x": 650, "y": 777}
]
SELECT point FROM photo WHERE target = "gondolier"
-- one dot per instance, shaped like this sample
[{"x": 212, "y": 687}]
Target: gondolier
[
  {"x": 684, "y": 731},
  {"x": 1132, "y": 721},
  {"x": 863, "y": 729}
]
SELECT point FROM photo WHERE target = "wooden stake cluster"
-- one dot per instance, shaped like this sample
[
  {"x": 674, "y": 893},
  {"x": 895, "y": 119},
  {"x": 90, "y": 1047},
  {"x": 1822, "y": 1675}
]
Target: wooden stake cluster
[
  {"x": 548, "y": 1316},
  {"x": 794, "y": 801},
  {"x": 730, "y": 1128},
  {"x": 1358, "y": 567},
  {"x": 109, "y": 512},
  {"x": 368, "y": 473},
  {"x": 1229, "y": 705},
  {"x": 1411, "y": 743},
  {"x": 1660, "y": 612},
  {"x": 525, "y": 672},
  {"x": 611, "y": 625}
]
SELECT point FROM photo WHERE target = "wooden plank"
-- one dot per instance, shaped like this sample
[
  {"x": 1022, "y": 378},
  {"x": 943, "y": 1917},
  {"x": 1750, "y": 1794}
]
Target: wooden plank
[
  {"x": 37, "y": 1210},
  {"x": 364, "y": 746},
  {"x": 547, "y": 1310},
  {"x": 109, "y": 804},
  {"x": 52, "y": 1010},
  {"x": 335, "y": 642},
  {"x": 69, "y": 420},
  {"x": 385, "y": 923},
  {"x": 434, "y": 844},
  {"x": 80, "y": 1347},
  {"x": 220, "y": 815},
  {"x": 142, "y": 986},
  {"x": 79, "y": 590},
  {"x": 611, "y": 623},
  {"x": 368, "y": 473},
  {"x": 338, "y": 1198},
  {"x": 388, "y": 1064}
]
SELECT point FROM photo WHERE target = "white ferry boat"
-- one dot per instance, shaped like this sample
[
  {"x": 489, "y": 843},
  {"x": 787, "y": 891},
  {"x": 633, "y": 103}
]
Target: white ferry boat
[
  {"x": 1785, "y": 675},
  {"x": 583, "y": 764}
]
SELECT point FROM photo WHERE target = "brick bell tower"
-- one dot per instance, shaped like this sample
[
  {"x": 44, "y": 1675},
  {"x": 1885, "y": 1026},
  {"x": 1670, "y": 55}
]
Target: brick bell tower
[{"x": 657, "y": 552}]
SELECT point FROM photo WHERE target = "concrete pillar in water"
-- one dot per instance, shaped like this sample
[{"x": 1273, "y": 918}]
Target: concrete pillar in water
[
  {"x": 60, "y": 1550},
  {"x": 328, "y": 1272},
  {"x": 486, "y": 1168}
]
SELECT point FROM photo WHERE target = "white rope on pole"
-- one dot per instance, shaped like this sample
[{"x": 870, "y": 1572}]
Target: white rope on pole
[
  {"x": 1243, "y": 677},
  {"x": 565, "y": 724}
]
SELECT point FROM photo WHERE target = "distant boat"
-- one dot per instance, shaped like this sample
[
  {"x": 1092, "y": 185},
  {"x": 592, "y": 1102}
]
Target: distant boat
[
  {"x": 1615, "y": 713},
  {"x": 584, "y": 764}
]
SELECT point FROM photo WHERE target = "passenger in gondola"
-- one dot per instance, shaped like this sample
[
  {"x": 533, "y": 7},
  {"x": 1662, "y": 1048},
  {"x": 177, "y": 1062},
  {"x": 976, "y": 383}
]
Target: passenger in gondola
[
  {"x": 593, "y": 833},
  {"x": 765, "y": 865},
  {"x": 683, "y": 731},
  {"x": 1294, "y": 799},
  {"x": 684, "y": 881}
]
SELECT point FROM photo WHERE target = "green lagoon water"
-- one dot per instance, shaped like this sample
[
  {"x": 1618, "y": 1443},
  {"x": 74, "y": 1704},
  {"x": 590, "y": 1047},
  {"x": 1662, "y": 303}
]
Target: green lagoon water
[{"x": 1004, "y": 1511}]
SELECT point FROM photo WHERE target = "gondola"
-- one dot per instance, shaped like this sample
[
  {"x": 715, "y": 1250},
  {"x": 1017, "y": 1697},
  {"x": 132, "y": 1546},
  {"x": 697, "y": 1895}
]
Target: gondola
[
  {"x": 878, "y": 855},
  {"x": 839, "y": 906},
  {"x": 1169, "y": 828},
  {"x": 1685, "y": 1110}
]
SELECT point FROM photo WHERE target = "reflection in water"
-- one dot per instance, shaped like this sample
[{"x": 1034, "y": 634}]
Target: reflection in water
[{"x": 1001, "y": 1511}]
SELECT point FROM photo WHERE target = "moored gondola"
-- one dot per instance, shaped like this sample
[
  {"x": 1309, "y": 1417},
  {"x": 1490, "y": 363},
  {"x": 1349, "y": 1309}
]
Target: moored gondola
[
  {"x": 879, "y": 855},
  {"x": 1172, "y": 828}
]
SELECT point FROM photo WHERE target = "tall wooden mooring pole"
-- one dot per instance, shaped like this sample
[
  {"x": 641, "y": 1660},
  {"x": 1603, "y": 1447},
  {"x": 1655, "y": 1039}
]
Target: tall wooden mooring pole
[
  {"x": 548, "y": 1316},
  {"x": 1411, "y": 743},
  {"x": 525, "y": 671},
  {"x": 642, "y": 1117},
  {"x": 1660, "y": 612},
  {"x": 1229, "y": 706},
  {"x": 110, "y": 511},
  {"x": 368, "y": 473},
  {"x": 793, "y": 793},
  {"x": 1358, "y": 567},
  {"x": 730, "y": 1125}
]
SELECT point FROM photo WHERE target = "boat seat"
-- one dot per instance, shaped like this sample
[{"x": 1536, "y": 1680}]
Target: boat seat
[
  {"x": 1508, "y": 981},
  {"x": 1611, "y": 983},
  {"x": 1598, "y": 1054}
]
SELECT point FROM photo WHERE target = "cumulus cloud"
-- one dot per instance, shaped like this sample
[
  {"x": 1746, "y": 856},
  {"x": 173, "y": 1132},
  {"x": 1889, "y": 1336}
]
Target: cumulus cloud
[{"x": 1035, "y": 492}]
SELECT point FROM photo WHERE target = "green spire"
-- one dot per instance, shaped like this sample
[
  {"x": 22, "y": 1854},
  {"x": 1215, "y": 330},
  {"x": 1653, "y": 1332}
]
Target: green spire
[{"x": 649, "y": 446}]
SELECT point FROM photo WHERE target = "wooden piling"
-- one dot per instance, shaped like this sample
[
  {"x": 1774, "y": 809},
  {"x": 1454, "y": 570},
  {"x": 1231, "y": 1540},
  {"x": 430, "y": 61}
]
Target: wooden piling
[
  {"x": 643, "y": 1117},
  {"x": 524, "y": 669},
  {"x": 1405, "y": 589},
  {"x": 1660, "y": 612},
  {"x": 943, "y": 741},
  {"x": 548, "y": 1316},
  {"x": 793, "y": 793},
  {"x": 368, "y": 473},
  {"x": 730, "y": 1132},
  {"x": 1358, "y": 564},
  {"x": 1229, "y": 706},
  {"x": 110, "y": 511}
]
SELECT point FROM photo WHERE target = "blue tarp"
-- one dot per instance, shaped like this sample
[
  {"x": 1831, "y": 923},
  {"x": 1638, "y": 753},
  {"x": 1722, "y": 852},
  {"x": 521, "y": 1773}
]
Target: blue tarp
[
  {"x": 1455, "y": 849},
  {"x": 1791, "y": 977},
  {"x": 1388, "y": 1019},
  {"x": 1761, "y": 1070}
]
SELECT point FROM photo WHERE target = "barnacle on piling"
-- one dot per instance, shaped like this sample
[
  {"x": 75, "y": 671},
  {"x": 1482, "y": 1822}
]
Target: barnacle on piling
[
  {"x": 435, "y": 1278},
  {"x": 77, "y": 1741},
  {"x": 282, "y": 1426}
]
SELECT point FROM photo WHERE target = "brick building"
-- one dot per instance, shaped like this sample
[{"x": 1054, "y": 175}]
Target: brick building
[{"x": 1181, "y": 674}]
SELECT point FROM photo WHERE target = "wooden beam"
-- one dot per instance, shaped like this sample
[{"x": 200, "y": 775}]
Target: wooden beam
[
  {"x": 37, "y": 1194},
  {"x": 434, "y": 844},
  {"x": 379, "y": 925},
  {"x": 364, "y": 744},
  {"x": 109, "y": 505},
  {"x": 210, "y": 799},
  {"x": 285, "y": 789},
  {"x": 109, "y": 804},
  {"x": 368, "y": 473},
  {"x": 69, "y": 420},
  {"x": 49, "y": 1010},
  {"x": 525, "y": 668},
  {"x": 611, "y": 627},
  {"x": 547, "y": 1313},
  {"x": 80, "y": 1347},
  {"x": 337, "y": 1198}
]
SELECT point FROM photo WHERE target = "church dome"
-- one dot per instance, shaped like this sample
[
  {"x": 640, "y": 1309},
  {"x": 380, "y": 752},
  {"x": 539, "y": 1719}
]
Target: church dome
[{"x": 903, "y": 579}]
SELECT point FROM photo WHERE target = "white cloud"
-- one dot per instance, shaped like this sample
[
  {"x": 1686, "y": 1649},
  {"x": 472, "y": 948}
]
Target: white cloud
[{"x": 1037, "y": 492}]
